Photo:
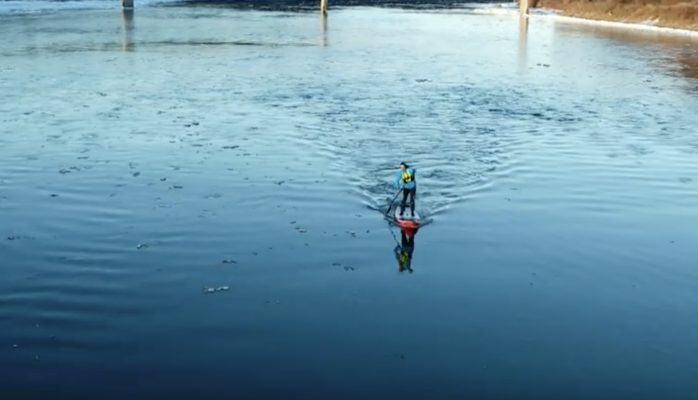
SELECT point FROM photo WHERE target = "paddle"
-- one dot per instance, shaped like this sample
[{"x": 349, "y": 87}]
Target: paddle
[{"x": 393, "y": 201}]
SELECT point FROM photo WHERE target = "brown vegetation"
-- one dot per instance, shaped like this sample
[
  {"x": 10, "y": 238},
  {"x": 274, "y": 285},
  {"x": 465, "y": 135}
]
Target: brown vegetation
[{"x": 682, "y": 14}]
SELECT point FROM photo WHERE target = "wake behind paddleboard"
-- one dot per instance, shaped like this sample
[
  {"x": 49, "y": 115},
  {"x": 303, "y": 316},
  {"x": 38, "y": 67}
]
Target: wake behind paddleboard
[{"x": 406, "y": 220}]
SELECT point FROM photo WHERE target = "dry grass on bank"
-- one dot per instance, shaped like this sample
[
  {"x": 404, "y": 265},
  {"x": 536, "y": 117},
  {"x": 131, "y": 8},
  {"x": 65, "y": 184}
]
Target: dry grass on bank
[{"x": 682, "y": 14}]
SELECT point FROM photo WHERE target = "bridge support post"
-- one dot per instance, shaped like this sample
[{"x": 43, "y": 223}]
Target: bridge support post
[
  {"x": 323, "y": 7},
  {"x": 524, "y": 6},
  {"x": 127, "y": 4}
]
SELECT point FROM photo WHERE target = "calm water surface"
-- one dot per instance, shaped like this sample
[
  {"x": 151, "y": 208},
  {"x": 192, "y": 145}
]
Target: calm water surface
[{"x": 144, "y": 157}]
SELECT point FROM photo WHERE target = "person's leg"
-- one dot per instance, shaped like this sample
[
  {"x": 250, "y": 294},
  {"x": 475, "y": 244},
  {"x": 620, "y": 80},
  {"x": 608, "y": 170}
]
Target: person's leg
[
  {"x": 404, "y": 200},
  {"x": 413, "y": 192}
]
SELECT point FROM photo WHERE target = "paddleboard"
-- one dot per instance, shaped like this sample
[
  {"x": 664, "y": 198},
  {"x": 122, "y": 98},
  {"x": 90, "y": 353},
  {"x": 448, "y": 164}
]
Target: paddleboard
[{"x": 406, "y": 220}]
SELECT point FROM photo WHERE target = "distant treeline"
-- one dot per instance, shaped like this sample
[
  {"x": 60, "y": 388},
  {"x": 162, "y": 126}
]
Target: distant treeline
[
  {"x": 312, "y": 4},
  {"x": 667, "y": 13}
]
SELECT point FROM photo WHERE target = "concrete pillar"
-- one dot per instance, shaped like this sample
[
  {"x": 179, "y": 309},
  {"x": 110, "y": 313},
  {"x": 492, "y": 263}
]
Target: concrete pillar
[
  {"x": 128, "y": 4},
  {"x": 524, "y": 7},
  {"x": 323, "y": 7}
]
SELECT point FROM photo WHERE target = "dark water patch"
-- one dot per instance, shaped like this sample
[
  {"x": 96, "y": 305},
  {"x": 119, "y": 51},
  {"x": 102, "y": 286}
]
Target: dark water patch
[
  {"x": 55, "y": 30},
  {"x": 118, "y": 47},
  {"x": 224, "y": 43}
]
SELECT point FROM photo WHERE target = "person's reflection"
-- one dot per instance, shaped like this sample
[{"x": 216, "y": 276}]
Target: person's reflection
[{"x": 404, "y": 250}]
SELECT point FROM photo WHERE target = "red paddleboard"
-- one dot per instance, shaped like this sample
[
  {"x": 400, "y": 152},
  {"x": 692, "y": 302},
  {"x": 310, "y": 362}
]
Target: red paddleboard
[{"x": 406, "y": 220}]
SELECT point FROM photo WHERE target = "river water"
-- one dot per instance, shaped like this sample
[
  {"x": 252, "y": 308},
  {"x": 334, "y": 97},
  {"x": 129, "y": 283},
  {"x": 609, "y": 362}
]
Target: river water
[{"x": 145, "y": 157}]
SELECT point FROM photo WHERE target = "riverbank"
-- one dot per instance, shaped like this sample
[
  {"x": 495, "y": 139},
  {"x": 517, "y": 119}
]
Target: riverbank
[{"x": 677, "y": 14}]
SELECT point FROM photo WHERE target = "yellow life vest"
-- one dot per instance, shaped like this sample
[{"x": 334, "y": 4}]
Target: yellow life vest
[{"x": 406, "y": 176}]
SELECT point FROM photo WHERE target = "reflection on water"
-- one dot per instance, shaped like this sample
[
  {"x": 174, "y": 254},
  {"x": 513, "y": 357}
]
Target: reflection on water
[
  {"x": 629, "y": 35},
  {"x": 404, "y": 250},
  {"x": 679, "y": 52},
  {"x": 523, "y": 43},
  {"x": 689, "y": 64},
  {"x": 323, "y": 30},
  {"x": 127, "y": 29}
]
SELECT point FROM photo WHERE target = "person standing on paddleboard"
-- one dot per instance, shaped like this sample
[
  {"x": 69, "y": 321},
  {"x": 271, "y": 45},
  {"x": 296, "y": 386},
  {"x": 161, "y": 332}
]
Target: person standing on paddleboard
[{"x": 408, "y": 182}]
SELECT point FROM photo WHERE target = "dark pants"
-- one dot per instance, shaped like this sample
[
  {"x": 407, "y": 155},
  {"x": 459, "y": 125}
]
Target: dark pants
[{"x": 408, "y": 193}]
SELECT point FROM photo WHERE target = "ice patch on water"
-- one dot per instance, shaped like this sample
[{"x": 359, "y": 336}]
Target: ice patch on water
[
  {"x": 492, "y": 8},
  {"x": 470, "y": 8}
]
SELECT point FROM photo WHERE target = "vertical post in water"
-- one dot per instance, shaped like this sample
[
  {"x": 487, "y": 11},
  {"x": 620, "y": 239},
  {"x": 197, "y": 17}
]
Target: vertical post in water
[
  {"x": 523, "y": 7},
  {"x": 323, "y": 7},
  {"x": 127, "y": 4}
]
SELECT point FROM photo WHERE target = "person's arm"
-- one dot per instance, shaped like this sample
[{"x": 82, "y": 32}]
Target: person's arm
[{"x": 398, "y": 177}]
